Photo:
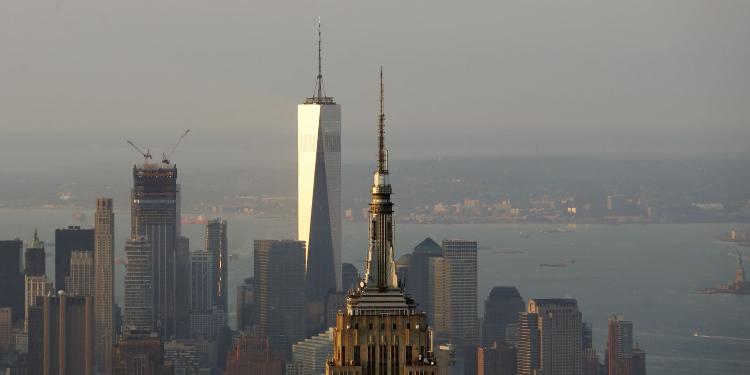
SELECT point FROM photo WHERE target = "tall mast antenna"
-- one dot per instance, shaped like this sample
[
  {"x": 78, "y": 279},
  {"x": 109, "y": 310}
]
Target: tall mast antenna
[
  {"x": 382, "y": 156},
  {"x": 319, "y": 84}
]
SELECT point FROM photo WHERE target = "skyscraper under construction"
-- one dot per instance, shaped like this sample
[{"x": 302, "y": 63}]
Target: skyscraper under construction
[
  {"x": 155, "y": 215},
  {"x": 381, "y": 332}
]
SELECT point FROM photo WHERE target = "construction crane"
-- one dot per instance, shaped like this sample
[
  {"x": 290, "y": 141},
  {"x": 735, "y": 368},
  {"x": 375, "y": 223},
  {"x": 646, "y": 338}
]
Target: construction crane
[
  {"x": 146, "y": 155},
  {"x": 167, "y": 156}
]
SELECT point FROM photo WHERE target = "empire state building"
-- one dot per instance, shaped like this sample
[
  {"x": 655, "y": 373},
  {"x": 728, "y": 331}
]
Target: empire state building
[{"x": 381, "y": 332}]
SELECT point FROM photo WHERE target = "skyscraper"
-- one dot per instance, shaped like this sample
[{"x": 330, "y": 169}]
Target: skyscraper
[
  {"x": 104, "y": 288},
  {"x": 181, "y": 292},
  {"x": 139, "y": 313},
  {"x": 461, "y": 265},
  {"x": 500, "y": 309},
  {"x": 245, "y": 305},
  {"x": 34, "y": 258},
  {"x": 35, "y": 286},
  {"x": 349, "y": 276},
  {"x": 280, "y": 293},
  {"x": 418, "y": 274},
  {"x": 622, "y": 357},
  {"x": 216, "y": 244},
  {"x": 11, "y": 277},
  {"x": 381, "y": 331},
  {"x": 319, "y": 194},
  {"x": 549, "y": 338},
  {"x": 67, "y": 334},
  {"x": 154, "y": 214},
  {"x": 6, "y": 328},
  {"x": 80, "y": 280},
  {"x": 66, "y": 241},
  {"x": 201, "y": 280}
]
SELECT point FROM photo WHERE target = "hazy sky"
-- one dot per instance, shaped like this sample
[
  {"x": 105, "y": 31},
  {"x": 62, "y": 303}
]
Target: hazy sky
[{"x": 474, "y": 78}]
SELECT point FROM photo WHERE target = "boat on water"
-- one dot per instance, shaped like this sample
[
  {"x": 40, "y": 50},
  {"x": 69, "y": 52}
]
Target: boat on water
[{"x": 562, "y": 263}]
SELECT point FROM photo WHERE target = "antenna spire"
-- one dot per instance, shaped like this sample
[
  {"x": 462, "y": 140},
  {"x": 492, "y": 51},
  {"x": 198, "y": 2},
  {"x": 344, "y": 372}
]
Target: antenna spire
[
  {"x": 319, "y": 83},
  {"x": 382, "y": 153}
]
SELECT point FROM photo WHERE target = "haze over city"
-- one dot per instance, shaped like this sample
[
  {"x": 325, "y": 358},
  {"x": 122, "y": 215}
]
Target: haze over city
[{"x": 361, "y": 188}]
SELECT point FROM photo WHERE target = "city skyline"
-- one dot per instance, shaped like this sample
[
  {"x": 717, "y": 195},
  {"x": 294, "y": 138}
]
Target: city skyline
[{"x": 550, "y": 252}]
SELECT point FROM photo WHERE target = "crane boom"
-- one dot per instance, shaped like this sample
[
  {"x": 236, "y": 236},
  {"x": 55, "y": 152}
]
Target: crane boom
[
  {"x": 167, "y": 156},
  {"x": 146, "y": 155}
]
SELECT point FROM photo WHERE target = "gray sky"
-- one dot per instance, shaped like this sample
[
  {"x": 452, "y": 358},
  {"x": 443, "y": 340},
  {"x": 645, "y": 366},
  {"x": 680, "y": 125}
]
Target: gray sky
[{"x": 485, "y": 78}]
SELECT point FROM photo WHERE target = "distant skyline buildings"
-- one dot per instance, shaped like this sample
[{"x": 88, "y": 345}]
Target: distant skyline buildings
[{"x": 319, "y": 194}]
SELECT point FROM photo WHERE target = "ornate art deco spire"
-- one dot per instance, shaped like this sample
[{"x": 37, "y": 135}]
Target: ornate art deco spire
[{"x": 381, "y": 267}]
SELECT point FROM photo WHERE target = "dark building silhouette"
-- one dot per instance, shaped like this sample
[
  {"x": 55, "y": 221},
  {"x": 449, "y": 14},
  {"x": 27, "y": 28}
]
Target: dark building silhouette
[
  {"x": 61, "y": 335},
  {"x": 11, "y": 277},
  {"x": 181, "y": 289},
  {"x": 335, "y": 302},
  {"x": 402, "y": 268},
  {"x": 418, "y": 274},
  {"x": 245, "y": 305},
  {"x": 216, "y": 244},
  {"x": 155, "y": 215},
  {"x": 68, "y": 240},
  {"x": 349, "y": 276},
  {"x": 500, "y": 309},
  {"x": 34, "y": 258},
  {"x": 497, "y": 359},
  {"x": 280, "y": 292},
  {"x": 252, "y": 355},
  {"x": 138, "y": 353}
]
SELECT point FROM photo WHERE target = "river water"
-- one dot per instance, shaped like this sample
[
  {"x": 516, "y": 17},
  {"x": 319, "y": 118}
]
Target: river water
[{"x": 646, "y": 272}]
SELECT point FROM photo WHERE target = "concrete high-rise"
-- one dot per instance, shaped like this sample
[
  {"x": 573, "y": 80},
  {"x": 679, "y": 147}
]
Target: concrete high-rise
[
  {"x": 280, "y": 291},
  {"x": 155, "y": 215},
  {"x": 68, "y": 240},
  {"x": 80, "y": 279},
  {"x": 319, "y": 194},
  {"x": 34, "y": 258},
  {"x": 216, "y": 244},
  {"x": 11, "y": 277},
  {"x": 549, "y": 338},
  {"x": 500, "y": 310},
  {"x": 461, "y": 265},
  {"x": 139, "y": 302},
  {"x": 67, "y": 334},
  {"x": 104, "y": 287},
  {"x": 381, "y": 331}
]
